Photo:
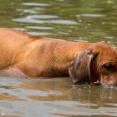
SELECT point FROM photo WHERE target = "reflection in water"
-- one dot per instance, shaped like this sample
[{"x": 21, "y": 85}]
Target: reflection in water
[
  {"x": 78, "y": 20},
  {"x": 55, "y": 98},
  {"x": 93, "y": 15},
  {"x": 35, "y": 4}
]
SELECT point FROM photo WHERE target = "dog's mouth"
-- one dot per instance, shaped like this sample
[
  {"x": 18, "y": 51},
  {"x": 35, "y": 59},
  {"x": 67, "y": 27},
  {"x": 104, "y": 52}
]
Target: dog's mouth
[{"x": 97, "y": 82}]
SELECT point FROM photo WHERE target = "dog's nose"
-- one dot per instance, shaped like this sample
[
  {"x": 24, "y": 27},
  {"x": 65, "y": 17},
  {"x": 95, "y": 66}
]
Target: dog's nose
[{"x": 97, "y": 82}]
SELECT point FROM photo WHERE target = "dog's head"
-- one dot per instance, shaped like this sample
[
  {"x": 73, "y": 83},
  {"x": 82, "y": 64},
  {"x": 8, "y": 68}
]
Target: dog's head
[{"x": 97, "y": 65}]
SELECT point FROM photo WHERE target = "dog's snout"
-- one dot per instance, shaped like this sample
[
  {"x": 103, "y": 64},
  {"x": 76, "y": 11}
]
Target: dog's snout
[{"x": 111, "y": 82}]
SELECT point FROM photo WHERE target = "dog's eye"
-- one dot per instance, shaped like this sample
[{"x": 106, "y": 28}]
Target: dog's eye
[{"x": 109, "y": 67}]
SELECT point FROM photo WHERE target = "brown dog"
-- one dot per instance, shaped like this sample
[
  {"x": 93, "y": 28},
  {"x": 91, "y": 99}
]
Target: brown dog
[{"x": 24, "y": 55}]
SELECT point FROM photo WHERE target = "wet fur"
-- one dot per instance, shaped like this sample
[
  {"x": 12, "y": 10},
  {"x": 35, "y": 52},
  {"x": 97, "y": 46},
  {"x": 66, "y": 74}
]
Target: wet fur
[{"x": 47, "y": 57}]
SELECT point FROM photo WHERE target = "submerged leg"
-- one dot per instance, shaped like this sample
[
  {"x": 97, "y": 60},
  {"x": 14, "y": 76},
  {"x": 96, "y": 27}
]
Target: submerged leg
[{"x": 13, "y": 72}]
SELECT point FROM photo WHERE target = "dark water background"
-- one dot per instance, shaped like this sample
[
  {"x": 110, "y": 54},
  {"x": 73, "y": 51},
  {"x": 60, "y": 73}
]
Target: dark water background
[{"x": 79, "y": 20}]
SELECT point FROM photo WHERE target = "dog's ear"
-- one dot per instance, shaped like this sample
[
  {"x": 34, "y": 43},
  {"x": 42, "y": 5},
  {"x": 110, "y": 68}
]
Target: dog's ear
[{"x": 80, "y": 69}]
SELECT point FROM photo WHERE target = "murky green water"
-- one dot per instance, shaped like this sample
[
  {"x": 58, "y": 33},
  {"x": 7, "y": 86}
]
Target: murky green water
[{"x": 79, "y": 20}]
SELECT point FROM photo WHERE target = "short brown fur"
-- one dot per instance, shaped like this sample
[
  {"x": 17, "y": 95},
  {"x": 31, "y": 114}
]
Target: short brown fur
[{"x": 47, "y": 57}]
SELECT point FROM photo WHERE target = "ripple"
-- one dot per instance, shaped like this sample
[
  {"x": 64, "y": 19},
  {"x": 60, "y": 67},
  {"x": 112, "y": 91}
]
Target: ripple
[
  {"x": 35, "y": 4},
  {"x": 28, "y": 20},
  {"x": 39, "y": 27},
  {"x": 109, "y": 37},
  {"x": 93, "y": 15},
  {"x": 76, "y": 108},
  {"x": 39, "y": 33},
  {"x": 42, "y": 17},
  {"x": 65, "y": 22},
  {"x": 4, "y": 81},
  {"x": 29, "y": 11}
]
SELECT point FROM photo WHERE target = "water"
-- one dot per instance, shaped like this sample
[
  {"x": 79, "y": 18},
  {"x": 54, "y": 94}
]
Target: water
[
  {"x": 78, "y": 20},
  {"x": 55, "y": 98}
]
